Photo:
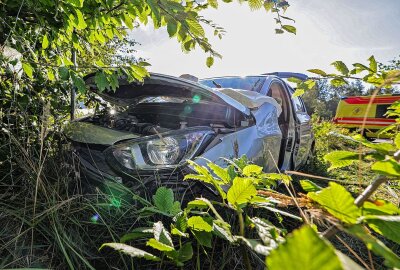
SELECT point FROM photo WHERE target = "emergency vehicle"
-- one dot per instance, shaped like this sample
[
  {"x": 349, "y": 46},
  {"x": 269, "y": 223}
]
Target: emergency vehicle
[{"x": 351, "y": 112}]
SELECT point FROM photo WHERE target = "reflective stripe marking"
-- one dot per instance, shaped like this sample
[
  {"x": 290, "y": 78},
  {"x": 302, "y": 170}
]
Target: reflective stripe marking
[
  {"x": 360, "y": 121},
  {"x": 367, "y": 100}
]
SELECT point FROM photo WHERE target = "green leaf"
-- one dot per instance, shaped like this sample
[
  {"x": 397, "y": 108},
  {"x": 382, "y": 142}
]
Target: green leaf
[
  {"x": 181, "y": 222},
  {"x": 310, "y": 84},
  {"x": 222, "y": 173},
  {"x": 388, "y": 226},
  {"x": 304, "y": 248},
  {"x": 268, "y": 6},
  {"x": 210, "y": 61},
  {"x": 176, "y": 231},
  {"x": 101, "y": 81},
  {"x": 241, "y": 191},
  {"x": 158, "y": 245},
  {"x": 254, "y": 245},
  {"x": 255, "y": 4},
  {"x": 128, "y": 21},
  {"x": 289, "y": 28},
  {"x": 318, "y": 72},
  {"x": 28, "y": 70},
  {"x": 298, "y": 92},
  {"x": 45, "y": 42},
  {"x": 195, "y": 27},
  {"x": 341, "y": 67},
  {"x": 76, "y": 3},
  {"x": 387, "y": 167},
  {"x": 373, "y": 65},
  {"x": 309, "y": 186},
  {"x": 203, "y": 238},
  {"x": 50, "y": 75},
  {"x": 80, "y": 23},
  {"x": 64, "y": 73},
  {"x": 114, "y": 83},
  {"x": 380, "y": 207},
  {"x": 385, "y": 148},
  {"x": 267, "y": 232},
  {"x": 279, "y": 31},
  {"x": 252, "y": 169},
  {"x": 397, "y": 140},
  {"x": 213, "y": 3},
  {"x": 137, "y": 233},
  {"x": 164, "y": 199},
  {"x": 176, "y": 208},
  {"x": 374, "y": 244},
  {"x": 337, "y": 201},
  {"x": 279, "y": 177},
  {"x": 197, "y": 204},
  {"x": 198, "y": 223},
  {"x": 360, "y": 67},
  {"x": 222, "y": 230},
  {"x": 78, "y": 82},
  {"x": 338, "y": 81},
  {"x": 161, "y": 234},
  {"x": 198, "y": 177},
  {"x": 131, "y": 251},
  {"x": 295, "y": 80},
  {"x": 172, "y": 27},
  {"x": 185, "y": 253},
  {"x": 339, "y": 159}
]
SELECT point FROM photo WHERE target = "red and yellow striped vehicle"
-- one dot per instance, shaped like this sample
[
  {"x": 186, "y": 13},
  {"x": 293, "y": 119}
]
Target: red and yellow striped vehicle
[{"x": 351, "y": 112}]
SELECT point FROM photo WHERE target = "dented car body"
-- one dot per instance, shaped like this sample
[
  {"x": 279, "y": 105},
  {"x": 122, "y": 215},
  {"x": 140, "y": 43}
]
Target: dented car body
[{"x": 160, "y": 124}]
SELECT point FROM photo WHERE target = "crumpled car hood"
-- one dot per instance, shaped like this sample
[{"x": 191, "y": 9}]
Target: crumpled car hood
[
  {"x": 88, "y": 133},
  {"x": 163, "y": 85}
]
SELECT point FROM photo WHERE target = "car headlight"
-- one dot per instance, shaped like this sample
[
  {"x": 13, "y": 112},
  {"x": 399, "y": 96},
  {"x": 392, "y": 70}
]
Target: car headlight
[{"x": 164, "y": 151}]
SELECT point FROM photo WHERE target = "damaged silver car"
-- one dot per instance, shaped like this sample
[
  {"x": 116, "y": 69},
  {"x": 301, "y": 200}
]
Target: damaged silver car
[{"x": 156, "y": 126}]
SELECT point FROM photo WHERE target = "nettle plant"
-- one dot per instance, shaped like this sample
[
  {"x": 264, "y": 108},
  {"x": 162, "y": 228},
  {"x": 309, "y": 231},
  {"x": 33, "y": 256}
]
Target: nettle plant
[{"x": 246, "y": 192}]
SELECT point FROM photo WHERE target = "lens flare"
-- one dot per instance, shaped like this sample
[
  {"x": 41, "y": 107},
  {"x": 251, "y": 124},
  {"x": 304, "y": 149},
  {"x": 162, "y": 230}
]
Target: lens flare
[
  {"x": 188, "y": 109},
  {"x": 95, "y": 218},
  {"x": 116, "y": 202},
  {"x": 196, "y": 98}
]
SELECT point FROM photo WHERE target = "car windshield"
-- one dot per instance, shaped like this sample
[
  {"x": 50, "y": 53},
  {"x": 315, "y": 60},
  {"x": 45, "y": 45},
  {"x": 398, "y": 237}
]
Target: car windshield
[{"x": 252, "y": 83}]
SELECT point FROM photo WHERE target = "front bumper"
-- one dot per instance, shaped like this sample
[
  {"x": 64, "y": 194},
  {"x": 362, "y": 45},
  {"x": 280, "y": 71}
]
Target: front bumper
[{"x": 95, "y": 171}]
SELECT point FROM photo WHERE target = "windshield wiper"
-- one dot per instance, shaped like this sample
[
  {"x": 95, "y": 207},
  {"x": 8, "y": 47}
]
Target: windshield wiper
[
  {"x": 255, "y": 85},
  {"x": 216, "y": 84}
]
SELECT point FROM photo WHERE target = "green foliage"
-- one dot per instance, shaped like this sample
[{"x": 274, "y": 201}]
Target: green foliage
[
  {"x": 340, "y": 159},
  {"x": 241, "y": 191},
  {"x": 164, "y": 199},
  {"x": 341, "y": 67},
  {"x": 198, "y": 223},
  {"x": 391, "y": 259},
  {"x": 304, "y": 248},
  {"x": 337, "y": 201},
  {"x": 387, "y": 167},
  {"x": 309, "y": 186},
  {"x": 388, "y": 226},
  {"x": 131, "y": 251}
]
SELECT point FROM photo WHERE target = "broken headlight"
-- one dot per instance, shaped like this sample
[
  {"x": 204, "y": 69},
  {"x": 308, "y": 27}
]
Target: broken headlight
[{"x": 163, "y": 151}]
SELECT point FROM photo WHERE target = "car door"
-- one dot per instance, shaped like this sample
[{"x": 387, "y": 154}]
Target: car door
[
  {"x": 303, "y": 132},
  {"x": 286, "y": 121}
]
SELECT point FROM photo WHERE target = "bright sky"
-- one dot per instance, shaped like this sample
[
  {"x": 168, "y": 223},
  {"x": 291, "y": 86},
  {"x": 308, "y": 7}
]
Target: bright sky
[{"x": 327, "y": 30}]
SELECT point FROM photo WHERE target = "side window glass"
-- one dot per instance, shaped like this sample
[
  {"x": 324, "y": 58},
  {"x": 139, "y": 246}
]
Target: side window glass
[{"x": 298, "y": 105}]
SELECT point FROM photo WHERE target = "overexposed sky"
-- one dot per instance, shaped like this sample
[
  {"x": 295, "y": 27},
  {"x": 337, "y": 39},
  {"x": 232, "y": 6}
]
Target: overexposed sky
[{"x": 327, "y": 30}]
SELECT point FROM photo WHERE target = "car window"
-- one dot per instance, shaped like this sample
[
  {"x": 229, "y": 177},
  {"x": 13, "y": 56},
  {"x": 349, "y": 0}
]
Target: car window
[
  {"x": 252, "y": 83},
  {"x": 298, "y": 105}
]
